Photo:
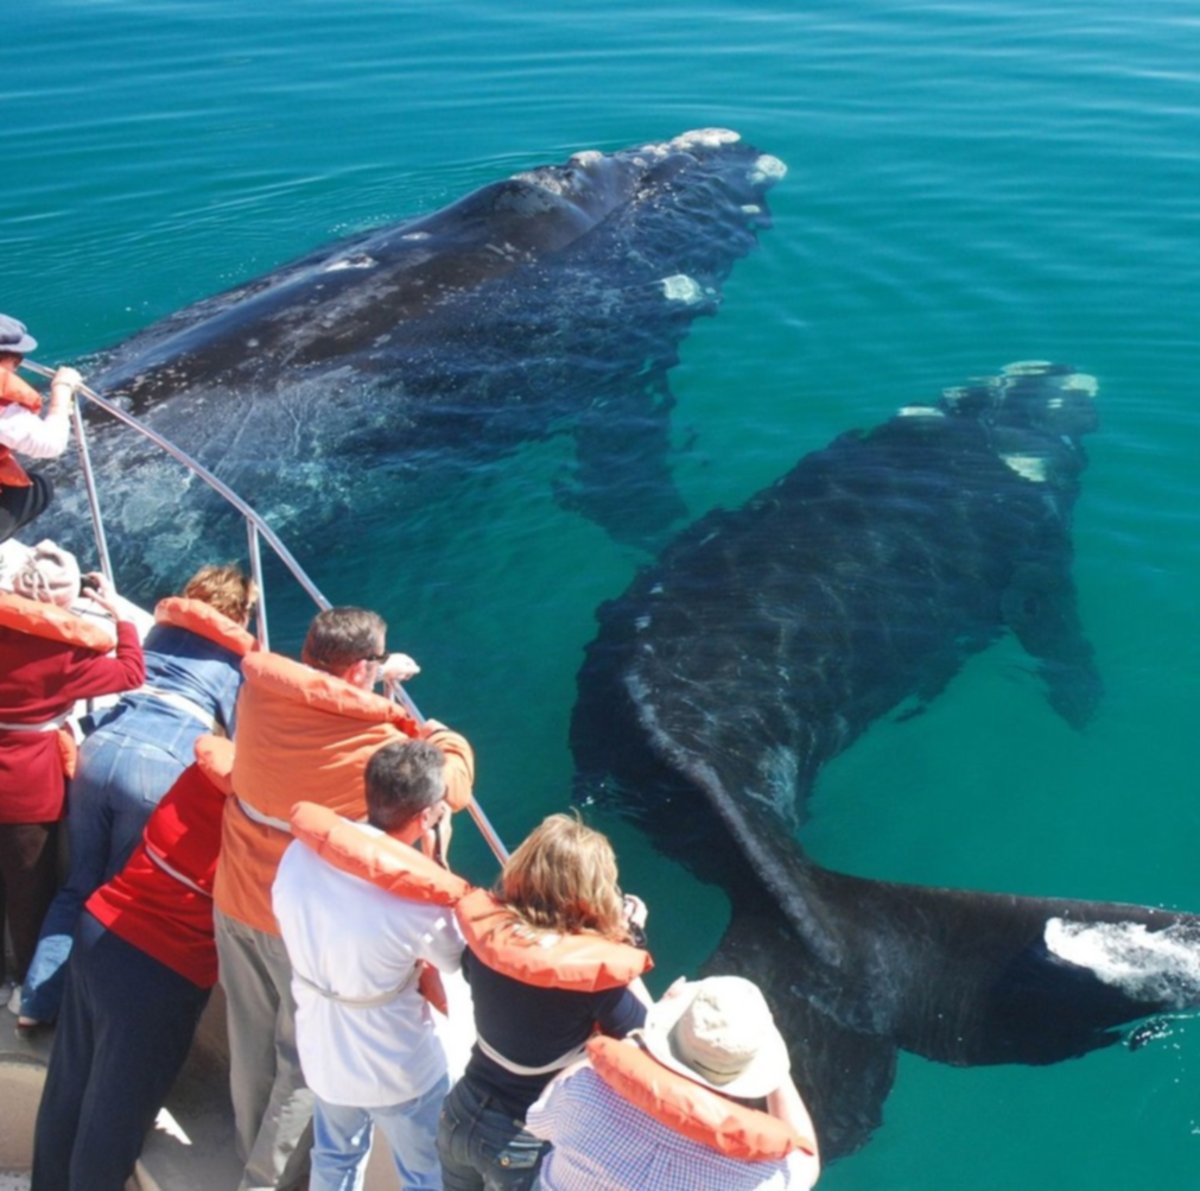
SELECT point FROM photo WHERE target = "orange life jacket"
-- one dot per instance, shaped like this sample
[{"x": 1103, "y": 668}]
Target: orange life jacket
[
  {"x": 302, "y": 735},
  {"x": 52, "y": 623},
  {"x": 583, "y": 962},
  {"x": 14, "y": 391},
  {"x": 393, "y": 866},
  {"x": 205, "y": 621},
  {"x": 689, "y": 1109}
]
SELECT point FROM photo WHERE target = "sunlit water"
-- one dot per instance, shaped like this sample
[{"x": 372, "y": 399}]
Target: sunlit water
[{"x": 970, "y": 183}]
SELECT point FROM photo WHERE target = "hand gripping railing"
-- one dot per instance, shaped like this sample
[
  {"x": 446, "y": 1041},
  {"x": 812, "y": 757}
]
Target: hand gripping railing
[{"x": 256, "y": 529}]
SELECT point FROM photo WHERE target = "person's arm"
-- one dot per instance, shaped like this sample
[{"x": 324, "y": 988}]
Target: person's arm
[
  {"x": 460, "y": 762},
  {"x": 23, "y": 431},
  {"x": 92, "y": 675},
  {"x": 786, "y": 1104},
  {"x": 620, "y": 1011}
]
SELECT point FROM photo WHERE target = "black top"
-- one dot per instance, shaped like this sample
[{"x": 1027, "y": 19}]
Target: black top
[{"x": 534, "y": 1026}]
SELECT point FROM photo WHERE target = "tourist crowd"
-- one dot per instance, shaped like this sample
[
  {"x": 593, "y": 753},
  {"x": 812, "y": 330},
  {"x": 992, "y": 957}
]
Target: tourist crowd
[{"x": 283, "y": 827}]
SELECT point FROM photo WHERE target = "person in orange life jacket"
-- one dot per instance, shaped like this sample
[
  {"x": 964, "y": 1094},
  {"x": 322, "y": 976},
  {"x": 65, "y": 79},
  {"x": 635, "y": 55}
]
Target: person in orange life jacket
[
  {"x": 49, "y": 658},
  {"x": 699, "y": 1098},
  {"x": 550, "y": 957},
  {"x": 25, "y": 495},
  {"x": 306, "y": 731},
  {"x": 140, "y": 974},
  {"x": 365, "y": 1033},
  {"x": 136, "y": 749}
]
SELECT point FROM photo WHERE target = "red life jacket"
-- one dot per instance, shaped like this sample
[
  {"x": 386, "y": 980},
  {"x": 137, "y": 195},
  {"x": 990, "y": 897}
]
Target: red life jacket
[
  {"x": 583, "y": 962},
  {"x": 52, "y": 623},
  {"x": 691, "y": 1110},
  {"x": 14, "y": 391}
]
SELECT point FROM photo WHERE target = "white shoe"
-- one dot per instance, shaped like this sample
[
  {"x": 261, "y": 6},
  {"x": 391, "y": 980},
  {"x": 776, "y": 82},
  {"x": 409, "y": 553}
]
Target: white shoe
[{"x": 14, "y": 1001}]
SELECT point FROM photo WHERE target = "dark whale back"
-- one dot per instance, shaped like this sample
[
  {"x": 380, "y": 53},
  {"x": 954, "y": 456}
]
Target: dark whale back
[
  {"x": 553, "y": 301},
  {"x": 766, "y": 639}
]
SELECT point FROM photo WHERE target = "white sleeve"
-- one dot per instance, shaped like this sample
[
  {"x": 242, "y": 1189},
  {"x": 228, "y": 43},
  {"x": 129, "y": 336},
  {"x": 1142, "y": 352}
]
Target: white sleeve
[
  {"x": 442, "y": 943},
  {"x": 40, "y": 438}
]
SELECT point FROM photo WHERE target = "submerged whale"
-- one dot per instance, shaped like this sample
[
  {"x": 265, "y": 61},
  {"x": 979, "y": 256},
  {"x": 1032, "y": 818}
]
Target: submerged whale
[
  {"x": 765, "y": 640},
  {"x": 551, "y": 301}
]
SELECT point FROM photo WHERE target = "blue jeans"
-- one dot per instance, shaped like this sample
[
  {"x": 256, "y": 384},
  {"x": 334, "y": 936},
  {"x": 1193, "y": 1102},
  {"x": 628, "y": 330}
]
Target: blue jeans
[
  {"x": 342, "y": 1139},
  {"x": 118, "y": 784},
  {"x": 483, "y": 1148}
]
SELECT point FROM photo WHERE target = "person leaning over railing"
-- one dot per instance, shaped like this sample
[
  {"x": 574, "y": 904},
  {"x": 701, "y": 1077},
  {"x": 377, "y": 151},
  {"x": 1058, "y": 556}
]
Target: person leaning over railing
[
  {"x": 700, "y": 1098},
  {"x": 306, "y": 731},
  {"x": 49, "y": 658},
  {"x": 365, "y": 909},
  {"x": 25, "y": 495},
  {"x": 137, "y": 748},
  {"x": 552, "y": 956},
  {"x": 141, "y": 972}
]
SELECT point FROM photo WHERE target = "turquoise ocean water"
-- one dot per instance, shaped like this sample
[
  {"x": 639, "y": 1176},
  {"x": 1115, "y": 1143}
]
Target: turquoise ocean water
[{"x": 970, "y": 183}]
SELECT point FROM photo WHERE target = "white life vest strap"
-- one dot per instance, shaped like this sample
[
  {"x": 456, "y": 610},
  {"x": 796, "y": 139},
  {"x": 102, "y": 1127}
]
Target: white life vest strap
[
  {"x": 257, "y": 816},
  {"x": 375, "y": 1002},
  {"x": 519, "y": 1069},
  {"x": 180, "y": 703},
  {"x": 59, "y": 721},
  {"x": 171, "y": 871}
]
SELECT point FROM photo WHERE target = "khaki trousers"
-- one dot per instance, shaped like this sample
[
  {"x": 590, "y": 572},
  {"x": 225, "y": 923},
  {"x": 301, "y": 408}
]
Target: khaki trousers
[{"x": 272, "y": 1107}]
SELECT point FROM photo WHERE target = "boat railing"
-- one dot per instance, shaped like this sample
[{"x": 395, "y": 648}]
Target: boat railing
[{"x": 257, "y": 531}]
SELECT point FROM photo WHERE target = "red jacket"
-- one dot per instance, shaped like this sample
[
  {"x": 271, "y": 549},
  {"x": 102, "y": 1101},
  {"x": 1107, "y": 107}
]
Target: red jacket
[
  {"x": 161, "y": 901},
  {"x": 40, "y": 679}
]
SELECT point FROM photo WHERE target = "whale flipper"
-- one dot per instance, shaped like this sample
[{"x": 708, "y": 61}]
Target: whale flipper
[{"x": 1040, "y": 607}]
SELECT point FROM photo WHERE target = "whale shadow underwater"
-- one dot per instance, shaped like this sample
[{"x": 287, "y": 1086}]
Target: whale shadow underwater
[
  {"x": 765, "y": 640},
  {"x": 550, "y": 302}
]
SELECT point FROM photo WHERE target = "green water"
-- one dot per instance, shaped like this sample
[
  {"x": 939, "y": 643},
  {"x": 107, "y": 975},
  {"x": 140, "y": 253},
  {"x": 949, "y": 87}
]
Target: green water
[{"x": 970, "y": 183}]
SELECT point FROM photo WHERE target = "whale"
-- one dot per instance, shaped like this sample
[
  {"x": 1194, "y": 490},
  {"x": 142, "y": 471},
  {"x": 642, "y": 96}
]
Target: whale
[
  {"x": 552, "y": 302},
  {"x": 765, "y": 640}
]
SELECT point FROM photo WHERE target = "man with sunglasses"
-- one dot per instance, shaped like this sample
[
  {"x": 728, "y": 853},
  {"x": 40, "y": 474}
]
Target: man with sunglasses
[{"x": 306, "y": 731}]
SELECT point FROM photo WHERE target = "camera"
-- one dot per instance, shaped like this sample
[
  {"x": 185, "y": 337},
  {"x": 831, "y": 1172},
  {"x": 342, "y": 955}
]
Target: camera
[{"x": 89, "y": 583}]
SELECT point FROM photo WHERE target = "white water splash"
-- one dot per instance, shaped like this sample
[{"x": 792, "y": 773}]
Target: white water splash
[
  {"x": 1028, "y": 467},
  {"x": 1150, "y": 966},
  {"x": 767, "y": 169},
  {"x": 681, "y": 288}
]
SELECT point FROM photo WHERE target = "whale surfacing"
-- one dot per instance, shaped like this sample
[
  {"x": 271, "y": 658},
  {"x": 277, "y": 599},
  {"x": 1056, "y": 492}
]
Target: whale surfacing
[
  {"x": 765, "y": 640},
  {"x": 552, "y": 301}
]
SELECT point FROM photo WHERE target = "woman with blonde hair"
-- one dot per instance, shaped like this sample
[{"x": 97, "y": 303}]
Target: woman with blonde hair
[
  {"x": 553, "y": 954},
  {"x": 138, "y": 747}
]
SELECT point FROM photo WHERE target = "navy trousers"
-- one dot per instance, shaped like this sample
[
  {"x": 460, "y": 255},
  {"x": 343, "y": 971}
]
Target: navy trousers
[
  {"x": 19, "y": 506},
  {"x": 124, "y": 1030}
]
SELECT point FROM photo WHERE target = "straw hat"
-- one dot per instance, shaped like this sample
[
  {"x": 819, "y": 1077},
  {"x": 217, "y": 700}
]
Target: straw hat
[
  {"x": 49, "y": 574},
  {"x": 719, "y": 1032}
]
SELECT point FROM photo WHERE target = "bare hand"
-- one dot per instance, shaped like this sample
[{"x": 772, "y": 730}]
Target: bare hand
[
  {"x": 102, "y": 592},
  {"x": 398, "y": 667},
  {"x": 635, "y": 911},
  {"x": 67, "y": 376}
]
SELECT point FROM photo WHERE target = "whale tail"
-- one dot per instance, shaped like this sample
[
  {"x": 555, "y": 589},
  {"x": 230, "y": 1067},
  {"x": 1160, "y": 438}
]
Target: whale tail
[{"x": 961, "y": 977}]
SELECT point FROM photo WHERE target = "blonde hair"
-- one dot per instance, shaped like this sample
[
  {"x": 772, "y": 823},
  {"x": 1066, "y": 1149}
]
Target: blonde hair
[
  {"x": 563, "y": 877},
  {"x": 225, "y": 587}
]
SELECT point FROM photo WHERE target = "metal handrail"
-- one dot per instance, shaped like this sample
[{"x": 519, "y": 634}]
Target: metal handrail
[{"x": 256, "y": 529}]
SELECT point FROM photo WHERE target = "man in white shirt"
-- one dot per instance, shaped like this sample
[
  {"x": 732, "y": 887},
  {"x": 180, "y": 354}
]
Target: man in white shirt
[
  {"x": 24, "y": 495},
  {"x": 365, "y": 1034}
]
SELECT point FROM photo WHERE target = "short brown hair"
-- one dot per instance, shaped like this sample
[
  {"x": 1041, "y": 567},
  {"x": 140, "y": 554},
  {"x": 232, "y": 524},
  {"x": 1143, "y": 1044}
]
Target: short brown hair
[
  {"x": 339, "y": 637},
  {"x": 225, "y": 587},
  {"x": 563, "y": 877},
  {"x": 402, "y": 779}
]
